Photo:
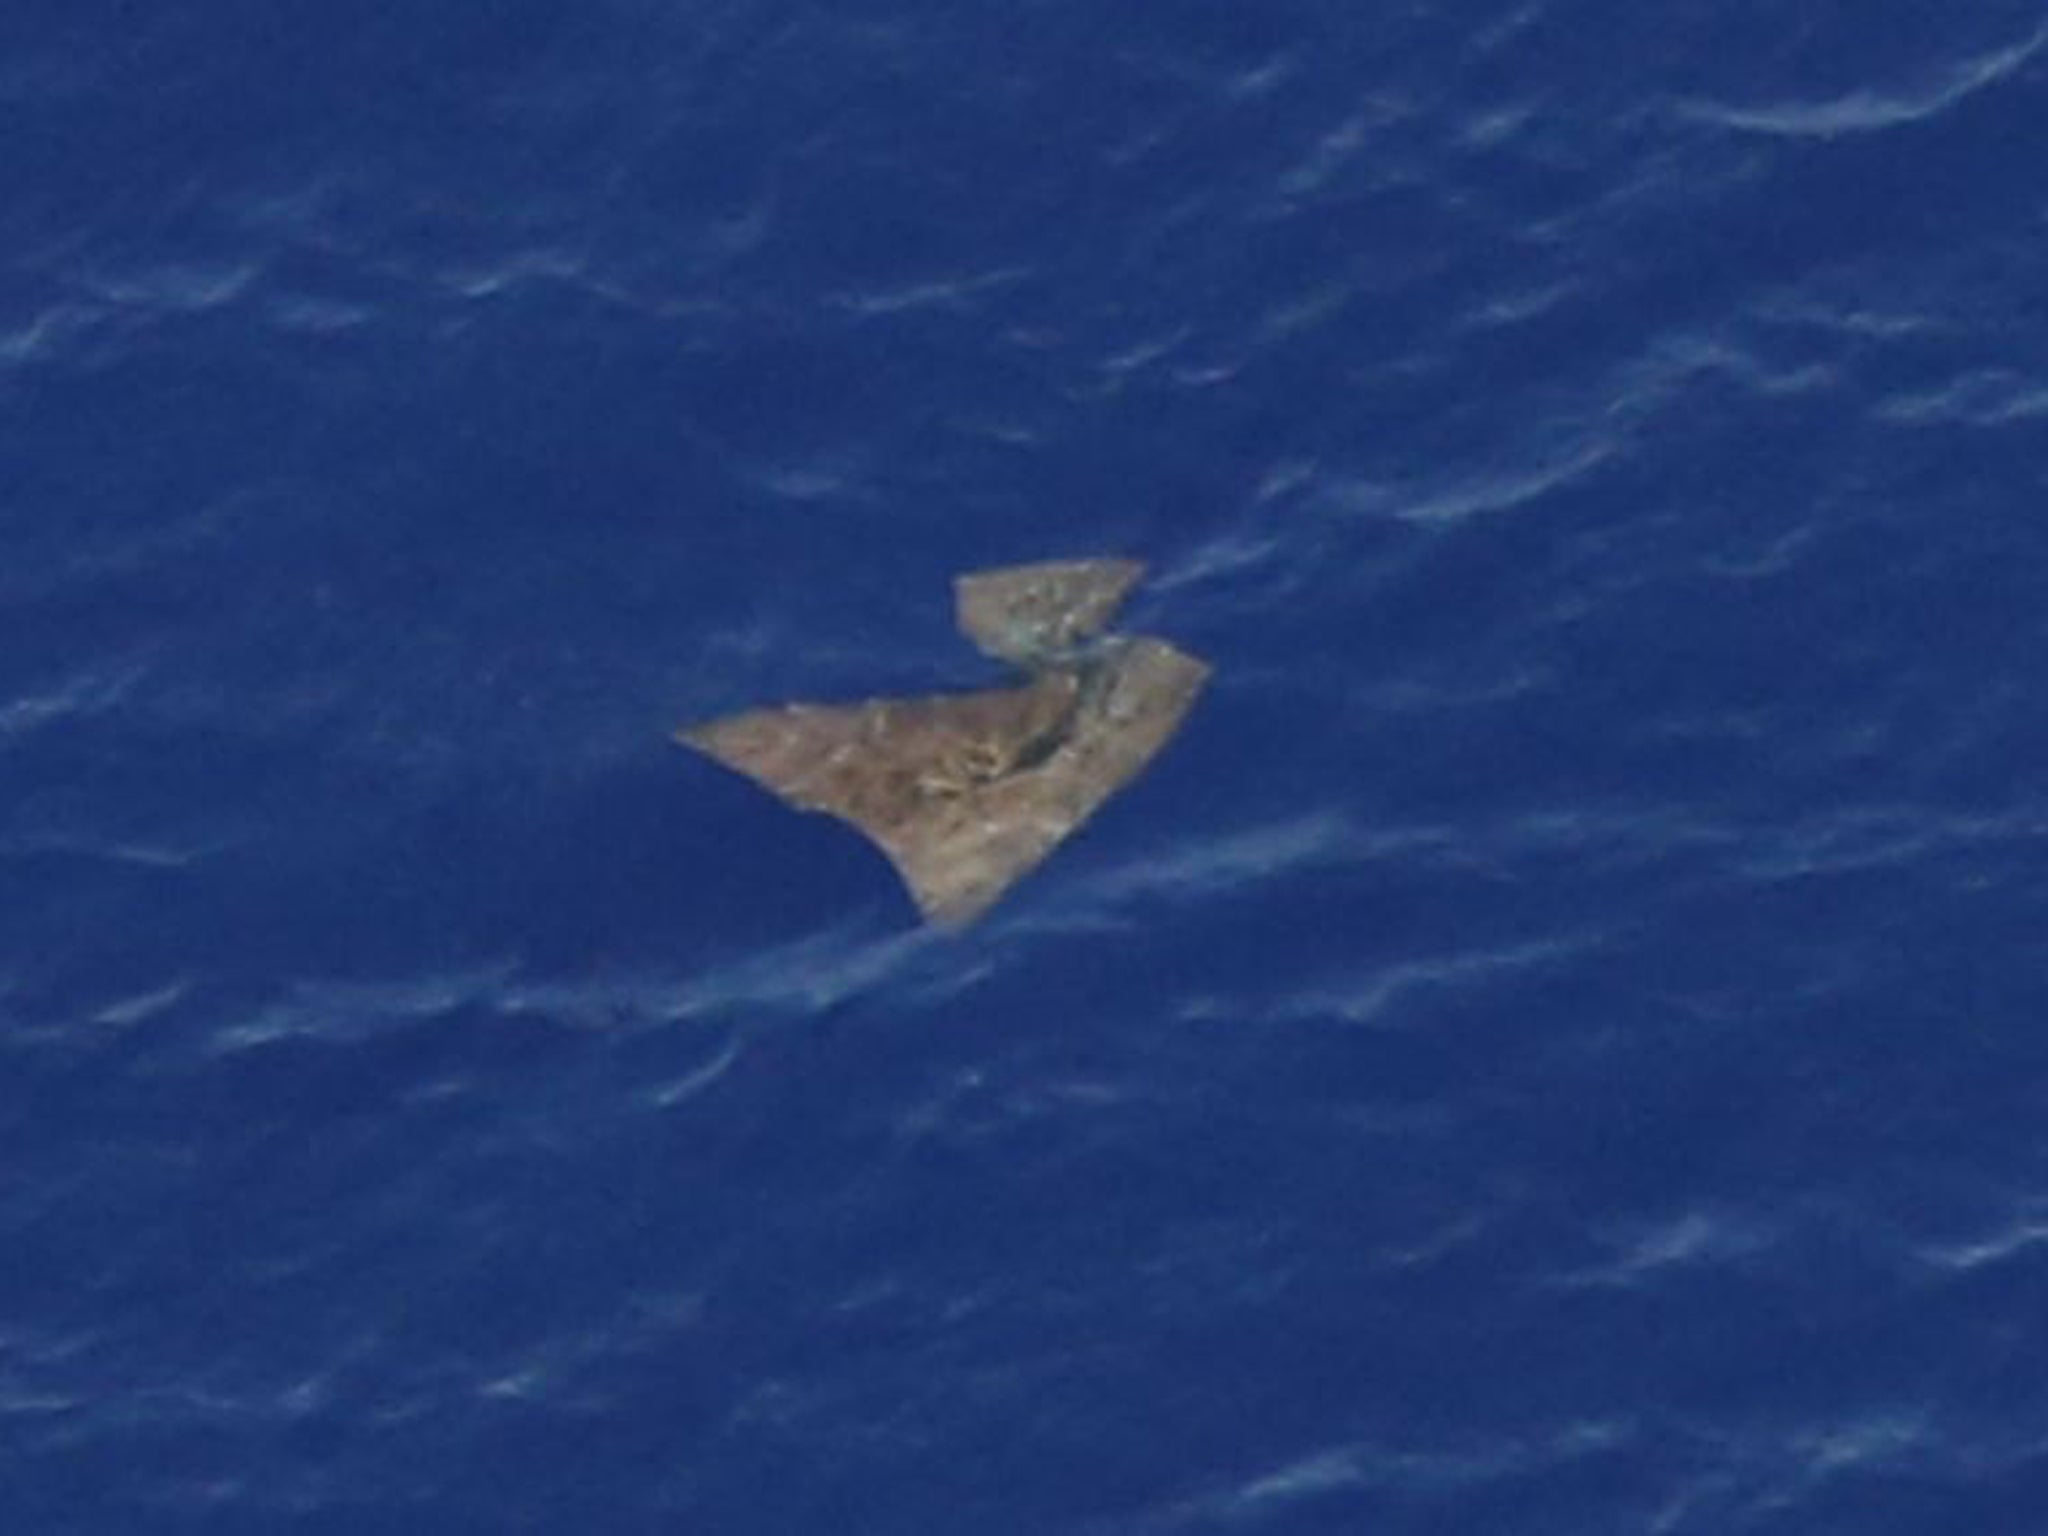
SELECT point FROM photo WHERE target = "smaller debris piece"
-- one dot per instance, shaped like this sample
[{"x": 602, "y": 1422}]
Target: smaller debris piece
[{"x": 967, "y": 792}]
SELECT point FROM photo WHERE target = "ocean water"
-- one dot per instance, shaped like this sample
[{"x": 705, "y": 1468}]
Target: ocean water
[{"x": 1559, "y": 1042}]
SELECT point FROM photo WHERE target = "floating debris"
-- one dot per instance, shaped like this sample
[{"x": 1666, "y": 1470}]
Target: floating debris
[{"x": 966, "y": 792}]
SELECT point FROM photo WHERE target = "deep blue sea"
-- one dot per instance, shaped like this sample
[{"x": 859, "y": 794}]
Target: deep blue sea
[{"x": 1557, "y": 1045}]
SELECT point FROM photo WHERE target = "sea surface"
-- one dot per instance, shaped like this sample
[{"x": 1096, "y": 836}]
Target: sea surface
[{"x": 1558, "y": 1044}]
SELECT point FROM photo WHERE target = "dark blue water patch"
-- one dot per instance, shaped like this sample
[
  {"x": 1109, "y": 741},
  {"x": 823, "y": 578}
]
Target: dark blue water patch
[{"x": 1552, "y": 1044}]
